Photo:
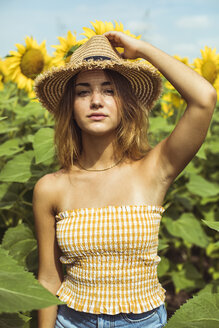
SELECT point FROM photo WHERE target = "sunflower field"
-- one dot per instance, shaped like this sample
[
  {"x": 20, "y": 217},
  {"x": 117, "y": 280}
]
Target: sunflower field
[{"x": 188, "y": 247}]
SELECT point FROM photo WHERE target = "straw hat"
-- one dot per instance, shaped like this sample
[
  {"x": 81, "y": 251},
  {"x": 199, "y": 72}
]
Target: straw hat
[{"x": 98, "y": 53}]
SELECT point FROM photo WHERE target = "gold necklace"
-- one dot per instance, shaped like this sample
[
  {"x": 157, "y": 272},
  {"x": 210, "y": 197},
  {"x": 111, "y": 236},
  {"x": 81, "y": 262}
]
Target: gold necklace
[{"x": 98, "y": 170}]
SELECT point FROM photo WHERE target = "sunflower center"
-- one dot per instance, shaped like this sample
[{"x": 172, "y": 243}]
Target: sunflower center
[
  {"x": 32, "y": 63},
  {"x": 209, "y": 71}
]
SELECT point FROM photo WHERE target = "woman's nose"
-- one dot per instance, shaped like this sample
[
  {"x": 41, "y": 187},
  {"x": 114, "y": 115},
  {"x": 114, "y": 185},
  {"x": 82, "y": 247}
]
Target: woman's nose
[{"x": 96, "y": 100}]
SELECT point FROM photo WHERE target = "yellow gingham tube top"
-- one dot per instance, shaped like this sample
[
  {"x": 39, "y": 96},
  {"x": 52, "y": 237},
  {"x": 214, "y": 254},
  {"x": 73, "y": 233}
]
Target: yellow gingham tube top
[{"x": 111, "y": 258}]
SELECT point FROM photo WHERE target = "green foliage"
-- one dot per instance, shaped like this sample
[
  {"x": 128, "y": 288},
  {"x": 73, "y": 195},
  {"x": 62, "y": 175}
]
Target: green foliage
[
  {"x": 198, "y": 185},
  {"x": 187, "y": 277},
  {"x": 188, "y": 246},
  {"x": 44, "y": 146},
  {"x": 19, "y": 289},
  {"x": 20, "y": 243},
  {"x": 188, "y": 228},
  {"x": 201, "y": 311},
  {"x": 72, "y": 50},
  {"x": 212, "y": 225},
  {"x": 18, "y": 169},
  {"x": 14, "y": 320}
]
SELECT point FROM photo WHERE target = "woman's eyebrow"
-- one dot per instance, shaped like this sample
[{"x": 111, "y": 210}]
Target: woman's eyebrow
[
  {"x": 83, "y": 84},
  {"x": 106, "y": 83}
]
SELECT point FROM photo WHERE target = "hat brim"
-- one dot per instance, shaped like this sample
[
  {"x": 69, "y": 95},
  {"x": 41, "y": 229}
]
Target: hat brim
[{"x": 145, "y": 81}]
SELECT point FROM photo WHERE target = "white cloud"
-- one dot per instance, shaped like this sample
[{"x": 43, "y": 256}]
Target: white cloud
[{"x": 194, "y": 21}]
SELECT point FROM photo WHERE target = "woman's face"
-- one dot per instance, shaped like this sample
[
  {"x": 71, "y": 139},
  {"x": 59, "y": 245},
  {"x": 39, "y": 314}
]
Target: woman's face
[{"x": 95, "y": 108}]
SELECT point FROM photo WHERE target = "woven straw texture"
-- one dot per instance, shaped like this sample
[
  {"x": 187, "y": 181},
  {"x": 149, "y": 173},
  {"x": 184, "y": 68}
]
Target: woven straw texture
[
  {"x": 145, "y": 79},
  {"x": 111, "y": 258}
]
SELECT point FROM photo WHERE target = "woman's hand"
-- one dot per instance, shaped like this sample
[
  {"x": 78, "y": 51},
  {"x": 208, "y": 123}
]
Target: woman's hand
[{"x": 131, "y": 45}]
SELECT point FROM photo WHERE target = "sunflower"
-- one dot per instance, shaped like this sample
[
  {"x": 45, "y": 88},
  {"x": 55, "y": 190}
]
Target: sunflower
[
  {"x": 100, "y": 27},
  {"x": 166, "y": 105},
  {"x": 3, "y": 73},
  {"x": 208, "y": 66},
  {"x": 184, "y": 60},
  {"x": 65, "y": 46},
  {"x": 27, "y": 62},
  {"x": 170, "y": 102}
]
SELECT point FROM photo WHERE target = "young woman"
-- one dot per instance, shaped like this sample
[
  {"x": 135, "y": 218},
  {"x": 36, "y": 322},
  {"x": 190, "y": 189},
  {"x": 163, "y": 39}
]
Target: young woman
[{"x": 100, "y": 213}]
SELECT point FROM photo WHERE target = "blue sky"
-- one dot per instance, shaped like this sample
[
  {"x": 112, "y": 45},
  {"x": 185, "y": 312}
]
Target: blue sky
[{"x": 180, "y": 27}]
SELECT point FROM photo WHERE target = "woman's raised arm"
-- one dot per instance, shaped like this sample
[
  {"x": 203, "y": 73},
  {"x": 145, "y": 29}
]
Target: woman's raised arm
[{"x": 179, "y": 148}]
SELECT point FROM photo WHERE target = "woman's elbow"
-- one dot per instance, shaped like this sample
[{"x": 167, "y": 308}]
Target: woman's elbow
[{"x": 210, "y": 99}]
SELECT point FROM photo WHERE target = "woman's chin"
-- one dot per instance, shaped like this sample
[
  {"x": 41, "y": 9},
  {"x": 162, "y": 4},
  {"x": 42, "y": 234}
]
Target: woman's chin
[{"x": 99, "y": 132}]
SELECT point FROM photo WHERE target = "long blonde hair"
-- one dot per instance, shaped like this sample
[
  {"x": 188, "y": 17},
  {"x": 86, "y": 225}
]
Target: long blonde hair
[{"x": 131, "y": 134}]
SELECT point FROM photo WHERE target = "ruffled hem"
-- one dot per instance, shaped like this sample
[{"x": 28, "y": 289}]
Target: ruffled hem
[
  {"x": 96, "y": 307},
  {"x": 110, "y": 209}
]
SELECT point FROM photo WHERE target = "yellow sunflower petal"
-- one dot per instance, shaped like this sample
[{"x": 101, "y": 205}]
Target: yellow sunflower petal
[
  {"x": 119, "y": 27},
  {"x": 21, "y": 49},
  {"x": 15, "y": 74},
  {"x": 208, "y": 65},
  {"x": 14, "y": 53},
  {"x": 88, "y": 32},
  {"x": 108, "y": 27}
]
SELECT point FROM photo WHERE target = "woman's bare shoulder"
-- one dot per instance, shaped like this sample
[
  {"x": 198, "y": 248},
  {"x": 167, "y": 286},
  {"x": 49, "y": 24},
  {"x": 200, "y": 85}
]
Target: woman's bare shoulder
[{"x": 49, "y": 183}]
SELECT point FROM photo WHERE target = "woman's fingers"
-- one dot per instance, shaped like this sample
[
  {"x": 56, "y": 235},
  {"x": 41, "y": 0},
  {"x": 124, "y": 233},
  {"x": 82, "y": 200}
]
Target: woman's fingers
[
  {"x": 114, "y": 38},
  {"x": 119, "y": 39}
]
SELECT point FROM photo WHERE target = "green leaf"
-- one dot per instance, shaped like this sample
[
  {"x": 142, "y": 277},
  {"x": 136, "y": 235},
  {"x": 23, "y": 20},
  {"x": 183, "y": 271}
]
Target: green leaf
[
  {"x": 201, "y": 153},
  {"x": 201, "y": 311},
  {"x": 213, "y": 287},
  {"x": 209, "y": 215},
  {"x": 10, "y": 147},
  {"x": 3, "y": 189},
  {"x": 162, "y": 245},
  {"x": 13, "y": 320},
  {"x": 19, "y": 289},
  {"x": 31, "y": 109},
  {"x": 188, "y": 278},
  {"x": 3, "y": 118},
  {"x": 212, "y": 225},
  {"x": 18, "y": 169},
  {"x": 213, "y": 250},
  {"x": 191, "y": 168},
  {"x": 159, "y": 123},
  {"x": 72, "y": 50},
  {"x": 185, "y": 201},
  {"x": 213, "y": 146},
  {"x": 188, "y": 228},
  {"x": 20, "y": 242},
  {"x": 206, "y": 200},
  {"x": 163, "y": 266},
  {"x": 197, "y": 185},
  {"x": 44, "y": 145},
  {"x": 7, "y": 199},
  {"x": 5, "y": 128}
]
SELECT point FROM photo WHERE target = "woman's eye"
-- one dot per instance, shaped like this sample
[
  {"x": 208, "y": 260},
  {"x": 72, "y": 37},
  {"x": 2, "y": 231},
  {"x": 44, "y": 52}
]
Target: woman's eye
[
  {"x": 82, "y": 93},
  {"x": 109, "y": 92}
]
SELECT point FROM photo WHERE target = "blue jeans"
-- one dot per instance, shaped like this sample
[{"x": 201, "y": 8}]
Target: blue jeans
[{"x": 70, "y": 318}]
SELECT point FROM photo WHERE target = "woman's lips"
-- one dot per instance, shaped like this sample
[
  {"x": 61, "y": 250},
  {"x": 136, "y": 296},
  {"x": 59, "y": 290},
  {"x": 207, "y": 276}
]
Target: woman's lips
[{"x": 97, "y": 117}]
